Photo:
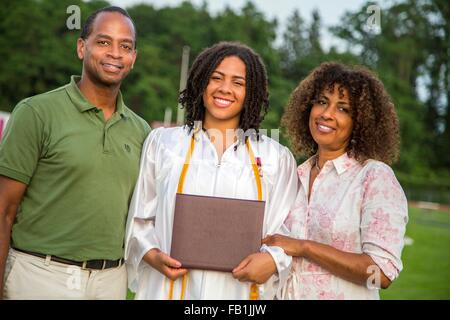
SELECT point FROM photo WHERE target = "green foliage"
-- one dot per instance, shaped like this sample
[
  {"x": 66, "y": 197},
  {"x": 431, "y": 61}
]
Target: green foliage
[
  {"x": 37, "y": 50},
  {"x": 38, "y": 54},
  {"x": 426, "y": 273},
  {"x": 412, "y": 48}
]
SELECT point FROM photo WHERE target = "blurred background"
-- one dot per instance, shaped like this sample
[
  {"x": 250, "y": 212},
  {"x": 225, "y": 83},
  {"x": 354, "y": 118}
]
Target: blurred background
[{"x": 407, "y": 42}]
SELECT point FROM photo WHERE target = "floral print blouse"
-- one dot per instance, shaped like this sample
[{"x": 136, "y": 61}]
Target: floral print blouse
[{"x": 354, "y": 208}]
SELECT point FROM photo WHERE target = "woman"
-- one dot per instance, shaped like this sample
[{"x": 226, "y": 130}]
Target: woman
[
  {"x": 350, "y": 214},
  {"x": 225, "y": 97}
]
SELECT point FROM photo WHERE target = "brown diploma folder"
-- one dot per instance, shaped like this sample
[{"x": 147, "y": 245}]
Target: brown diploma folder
[{"x": 213, "y": 233}]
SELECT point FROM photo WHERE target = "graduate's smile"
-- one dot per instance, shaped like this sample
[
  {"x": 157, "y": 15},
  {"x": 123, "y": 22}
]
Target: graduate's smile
[
  {"x": 222, "y": 102},
  {"x": 225, "y": 93}
]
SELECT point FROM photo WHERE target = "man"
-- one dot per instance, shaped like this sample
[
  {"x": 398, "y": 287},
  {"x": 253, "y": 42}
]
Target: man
[{"x": 69, "y": 161}]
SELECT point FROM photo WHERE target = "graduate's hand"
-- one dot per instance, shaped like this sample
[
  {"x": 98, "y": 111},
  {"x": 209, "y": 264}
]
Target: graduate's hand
[
  {"x": 291, "y": 246},
  {"x": 169, "y": 267},
  {"x": 257, "y": 268}
]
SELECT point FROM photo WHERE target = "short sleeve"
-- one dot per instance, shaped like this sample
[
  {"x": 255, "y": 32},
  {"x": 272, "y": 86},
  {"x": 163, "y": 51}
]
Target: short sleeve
[
  {"x": 384, "y": 218},
  {"x": 22, "y": 144},
  {"x": 146, "y": 128}
]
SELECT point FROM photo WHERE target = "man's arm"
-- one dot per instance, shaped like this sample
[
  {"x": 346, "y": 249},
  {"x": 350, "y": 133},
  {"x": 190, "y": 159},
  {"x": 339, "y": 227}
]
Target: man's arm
[{"x": 11, "y": 192}]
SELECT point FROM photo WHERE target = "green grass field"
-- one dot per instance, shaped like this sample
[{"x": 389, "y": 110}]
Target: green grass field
[{"x": 426, "y": 263}]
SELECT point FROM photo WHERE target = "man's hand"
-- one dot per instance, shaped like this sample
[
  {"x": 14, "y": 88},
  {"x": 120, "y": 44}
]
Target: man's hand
[
  {"x": 257, "y": 268},
  {"x": 169, "y": 267},
  {"x": 11, "y": 193}
]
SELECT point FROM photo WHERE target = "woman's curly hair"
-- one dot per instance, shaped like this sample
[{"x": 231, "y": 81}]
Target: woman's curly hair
[
  {"x": 375, "y": 132},
  {"x": 256, "y": 101}
]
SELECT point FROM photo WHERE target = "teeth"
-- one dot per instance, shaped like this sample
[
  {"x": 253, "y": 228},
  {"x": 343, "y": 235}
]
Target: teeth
[
  {"x": 323, "y": 128},
  {"x": 222, "y": 102},
  {"x": 111, "y": 66}
]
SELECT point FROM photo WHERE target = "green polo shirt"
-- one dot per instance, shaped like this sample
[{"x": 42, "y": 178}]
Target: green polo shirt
[{"x": 80, "y": 172}]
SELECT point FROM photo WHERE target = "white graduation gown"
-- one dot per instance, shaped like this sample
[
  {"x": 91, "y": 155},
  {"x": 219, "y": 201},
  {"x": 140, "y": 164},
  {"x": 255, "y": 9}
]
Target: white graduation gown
[{"x": 151, "y": 210}]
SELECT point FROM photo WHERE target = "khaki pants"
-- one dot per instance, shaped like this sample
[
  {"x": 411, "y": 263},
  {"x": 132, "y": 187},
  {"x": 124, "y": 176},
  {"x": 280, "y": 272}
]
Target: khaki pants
[{"x": 30, "y": 277}]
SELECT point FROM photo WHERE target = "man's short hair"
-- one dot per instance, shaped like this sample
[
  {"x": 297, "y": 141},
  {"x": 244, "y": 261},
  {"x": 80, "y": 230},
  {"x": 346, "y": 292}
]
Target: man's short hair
[{"x": 87, "y": 28}]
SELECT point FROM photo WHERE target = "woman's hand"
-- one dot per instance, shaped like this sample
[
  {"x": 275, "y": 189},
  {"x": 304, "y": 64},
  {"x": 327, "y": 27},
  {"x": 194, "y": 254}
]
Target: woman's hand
[
  {"x": 257, "y": 268},
  {"x": 291, "y": 246},
  {"x": 169, "y": 267}
]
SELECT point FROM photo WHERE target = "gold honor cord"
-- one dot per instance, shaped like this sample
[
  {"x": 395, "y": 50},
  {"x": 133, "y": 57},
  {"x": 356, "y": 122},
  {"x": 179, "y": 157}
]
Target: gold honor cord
[
  {"x": 254, "y": 288},
  {"x": 180, "y": 190}
]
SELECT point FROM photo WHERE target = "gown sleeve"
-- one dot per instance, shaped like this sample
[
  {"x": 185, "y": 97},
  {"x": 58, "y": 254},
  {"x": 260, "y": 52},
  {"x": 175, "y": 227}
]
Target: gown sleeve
[
  {"x": 279, "y": 204},
  {"x": 140, "y": 230}
]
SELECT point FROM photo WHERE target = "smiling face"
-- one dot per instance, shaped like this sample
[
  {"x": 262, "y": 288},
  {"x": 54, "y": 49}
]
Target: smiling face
[
  {"x": 330, "y": 121},
  {"x": 224, "y": 95},
  {"x": 108, "y": 53}
]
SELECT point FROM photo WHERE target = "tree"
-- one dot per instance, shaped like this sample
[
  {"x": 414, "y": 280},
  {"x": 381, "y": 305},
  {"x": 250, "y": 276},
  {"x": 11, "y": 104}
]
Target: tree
[
  {"x": 295, "y": 46},
  {"x": 314, "y": 34},
  {"x": 37, "y": 49},
  {"x": 411, "y": 48}
]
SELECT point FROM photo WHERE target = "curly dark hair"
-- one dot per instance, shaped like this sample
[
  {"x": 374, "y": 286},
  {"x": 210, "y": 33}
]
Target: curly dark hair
[
  {"x": 256, "y": 103},
  {"x": 375, "y": 132}
]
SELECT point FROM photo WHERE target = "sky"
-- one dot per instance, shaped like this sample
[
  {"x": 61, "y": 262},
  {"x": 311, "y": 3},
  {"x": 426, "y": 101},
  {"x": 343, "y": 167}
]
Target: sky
[{"x": 330, "y": 10}]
